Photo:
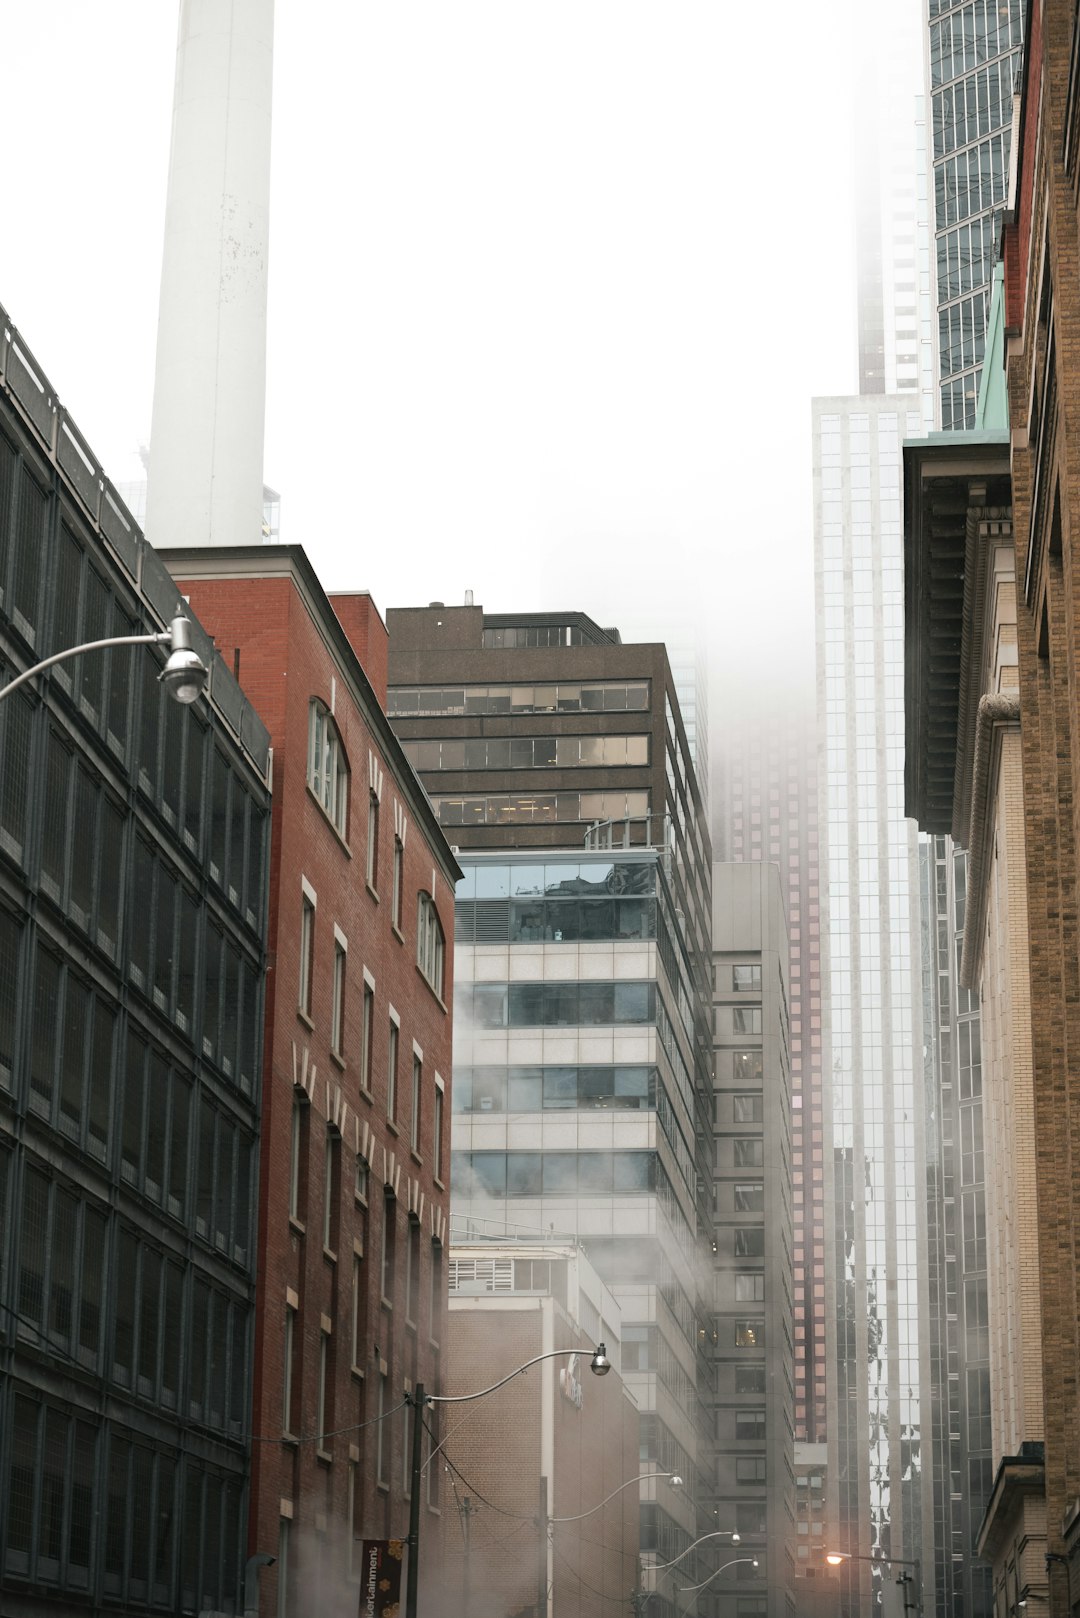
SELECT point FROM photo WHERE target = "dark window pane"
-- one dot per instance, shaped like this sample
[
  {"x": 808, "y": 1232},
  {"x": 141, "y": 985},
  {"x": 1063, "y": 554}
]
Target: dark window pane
[
  {"x": 29, "y": 555},
  {"x": 73, "y": 1058},
  {"x": 523, "y": 1174},
  {"x": 15, "y": 733},
  {"x": 83, "y": 847},
  {"x": 9, "y": 990},
  {"x": 92, "y": 1281},
  {"x": 33, "y": 1248},
  {"x": 43, "y": 1034},
  {"x": 101, "y": 1075},
  {"x": 92, "y": 667},
  {"x": 110, "y": 867},
  {"x": 54, "y": 843},
  {"x": 124, "y": 1303},
  {"x": 141, "y": 911}
]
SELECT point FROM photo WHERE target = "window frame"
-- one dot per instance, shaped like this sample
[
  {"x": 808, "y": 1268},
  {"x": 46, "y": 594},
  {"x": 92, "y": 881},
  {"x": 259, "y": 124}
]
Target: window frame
[
  {"x": 430, "y": 943},
  {"x": 328, "y": 772}
]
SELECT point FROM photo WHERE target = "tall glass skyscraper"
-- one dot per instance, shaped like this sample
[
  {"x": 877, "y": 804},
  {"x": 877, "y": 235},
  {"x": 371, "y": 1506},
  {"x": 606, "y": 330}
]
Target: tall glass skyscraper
[{"x": 874, "y": 1098}]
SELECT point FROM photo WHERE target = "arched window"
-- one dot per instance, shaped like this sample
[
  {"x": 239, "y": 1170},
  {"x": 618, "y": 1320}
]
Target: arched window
[
  {"x": 430, "y": 944},
  {"x": 328, "y": 768}
]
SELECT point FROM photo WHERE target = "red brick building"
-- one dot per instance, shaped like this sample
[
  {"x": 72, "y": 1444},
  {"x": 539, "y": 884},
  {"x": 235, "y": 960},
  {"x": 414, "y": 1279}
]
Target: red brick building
[{"x": 356, "y": 1107}]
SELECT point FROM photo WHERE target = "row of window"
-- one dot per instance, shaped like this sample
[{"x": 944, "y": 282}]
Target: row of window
[
  {"x": 980, "y": 30},
  {"x": 561, "y": 878},
  {"x": 189, "y": 781},
  {"x": 566, "y": 696},
  {"x": 977, "y": 105},
  {"x": 972, "y": 182},
  {"x": 552, "y": 921},
  {"x": 91, "y": 1510},
  {"x": 430, "y": 961},
  {"x": 516, "y": 808},
  {"x": 88, "y": 1288},
  {"x": 536, "y": 1089},
  {"x": 527, "y": 752},
  {"x": 517, "y": 637},
  {"x": 533, "y": 1174},
  {"x": 99, "y": 1081},
  {"x": 554, "y": 1005},
  {"x": 966, "y": 256}
]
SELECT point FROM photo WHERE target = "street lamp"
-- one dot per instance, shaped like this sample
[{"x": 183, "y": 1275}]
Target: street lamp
[
  {"x": 690, "y": 1589},
  {"x": 838, "y": 1558},
  {"x": 184, "y": 675},
  {"x": 640, "y": 1597},
  {"x": 643, "y": 1477},
  {"x": 599, "y": 1365}
]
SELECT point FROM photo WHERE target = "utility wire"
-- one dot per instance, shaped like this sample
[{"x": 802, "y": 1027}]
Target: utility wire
[{"x": 523, "y": 1516}]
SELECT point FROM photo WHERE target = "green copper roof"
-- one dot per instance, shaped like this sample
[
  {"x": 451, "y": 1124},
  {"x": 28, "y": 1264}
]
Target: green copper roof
[{"x": 992, "y": 409}]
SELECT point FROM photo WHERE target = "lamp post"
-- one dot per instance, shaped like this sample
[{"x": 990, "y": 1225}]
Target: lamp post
[
  {"x": 599, "y": 1365},
  {"x": 838, "y": 1558},
  {"x": 640, "y": 1596},
  {"x": 690, "y": 1589},
  {"x": 184, "y": 675}
]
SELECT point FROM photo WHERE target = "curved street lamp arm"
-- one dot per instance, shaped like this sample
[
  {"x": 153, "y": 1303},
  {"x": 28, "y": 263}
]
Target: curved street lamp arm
[
  {"x": 463, "y": 1398},
  {"x": 715, "y": 1533},
  {"x": 642, "y": 1477},
  {"x": 162, "y": 638},
  {"x": 690, "y": 1589}
]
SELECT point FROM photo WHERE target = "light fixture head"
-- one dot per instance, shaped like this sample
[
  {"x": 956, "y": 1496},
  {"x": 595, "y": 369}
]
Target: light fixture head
[
  {"x": 600, "y": 1365},
  {"x": 835, "y": 1558},
  {"x": 675, "y": 1480},
  {"x": 736, "y": 1537},
  {"x": 185, "y": 674},
  {"x": 755, "y": 1561}
]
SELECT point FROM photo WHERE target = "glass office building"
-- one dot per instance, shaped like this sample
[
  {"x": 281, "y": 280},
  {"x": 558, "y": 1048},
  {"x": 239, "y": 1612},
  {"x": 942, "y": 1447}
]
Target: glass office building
[
  {"x": 875, "y": 1102},
  {"x": 975, "y": 48}
]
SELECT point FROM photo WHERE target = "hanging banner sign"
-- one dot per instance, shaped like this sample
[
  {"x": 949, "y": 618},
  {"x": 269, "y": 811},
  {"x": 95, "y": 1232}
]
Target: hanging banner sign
[{"x": 380, "y": 1584}]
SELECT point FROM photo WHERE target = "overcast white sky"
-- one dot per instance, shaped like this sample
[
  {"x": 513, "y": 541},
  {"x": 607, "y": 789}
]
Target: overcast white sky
[{"x": 552, "y": 284}]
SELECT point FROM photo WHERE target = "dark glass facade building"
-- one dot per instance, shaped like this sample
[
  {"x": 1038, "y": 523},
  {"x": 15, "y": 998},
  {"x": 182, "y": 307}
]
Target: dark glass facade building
[
  {"x": 975, "y": 48},
  {"x": 133, "y": 844}
]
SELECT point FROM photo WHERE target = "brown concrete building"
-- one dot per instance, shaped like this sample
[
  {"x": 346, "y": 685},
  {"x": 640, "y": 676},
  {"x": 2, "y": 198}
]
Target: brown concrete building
[
  {"x": 529, "y": 1528},
  {"x": 964, "y": 779},
  {"x": 356, "y": 1103},
  {"x": 1042, "y": 280}
]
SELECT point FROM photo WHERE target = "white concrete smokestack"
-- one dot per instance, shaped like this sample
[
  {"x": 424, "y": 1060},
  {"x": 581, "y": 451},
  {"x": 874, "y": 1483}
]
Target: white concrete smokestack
[{"x": 206, "y": 443}]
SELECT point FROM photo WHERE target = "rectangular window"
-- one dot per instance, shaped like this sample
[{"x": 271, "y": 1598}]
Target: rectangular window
[
  {"x": 750, "y": 1469},
  {"x": 366, "y": 1034},
  {"x": 388, "y": 1242},
  {"x": 288, "y": 1352},
  {"x": 749, "y": 1153},
  {"x": 337, "y": 1030},
  {"x": 750, "y": 1334},
  {"x": 749, "y": 1379},
  {"x": 324, "y": 1390},
  {"x": 399, "y": 881},
  {"x": 307, "y": 953},
  {"x": 750, "y": 1425},
  {"x": 363, "y": 1174},
  {"x": 436, "y": 1299},
  {"x": 750, "y": 1198},
  {"x": 746, "y": 1020},
  {"x": 382, "y": 1447},
  {"x": 417, "y": 1092},
  {"x": 746, "y": 979},
  {"x": 296, "y": 1145},
  {"x": 331, "y": 1183},
  {"x": 750, "y": 1287},
  {"x": 437, "y": 1130},
  {"x": 747, "y": 1109},
  {"x": 373, "y": 840},
  {"x": 391, "y": 1072},
  {"x": 283, "y": 1568},
  {"x": 750, "y": 1241},
  {"x": 412, "y": 1290},
  {"x": 357, "y": 1309}
]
